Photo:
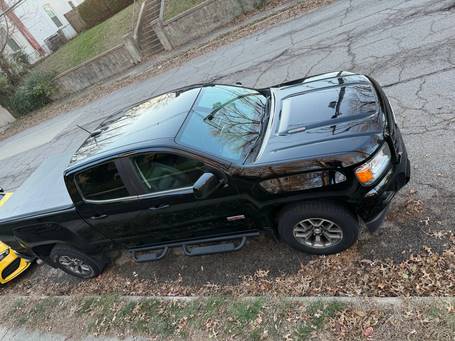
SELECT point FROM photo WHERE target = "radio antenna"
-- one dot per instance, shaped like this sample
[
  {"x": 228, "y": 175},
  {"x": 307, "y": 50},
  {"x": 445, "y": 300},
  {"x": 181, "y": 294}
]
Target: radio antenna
[{"x": 88, "y": 132}]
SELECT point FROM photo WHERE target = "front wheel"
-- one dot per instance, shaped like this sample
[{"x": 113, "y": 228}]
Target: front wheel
[
  {"x": 318, "y": 227},
  {"x": 76, "y": 263}
]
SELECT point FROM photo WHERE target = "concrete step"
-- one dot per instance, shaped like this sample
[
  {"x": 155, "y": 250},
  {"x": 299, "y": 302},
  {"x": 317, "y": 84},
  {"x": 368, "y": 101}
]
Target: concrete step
[
  {"x": 147, "y": 24},
  {"x": 152, "y": 49},
  {"x": 151, "y": 16},
  {"x": 155, "y": 46},
  {"x": 149, "y": 52},
  {"x": 149, "y": 43},
  {"x": 149, "y": 38},
  {"x": 148, "y": 30},
  {"x": 149, "y": 11},
  {"x": 152, "y": 10}
]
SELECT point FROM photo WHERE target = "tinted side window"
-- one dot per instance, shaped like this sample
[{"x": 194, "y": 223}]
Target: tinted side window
[
  {"x": 162, "y": 172},
  {"x": 102, "y": 182}
]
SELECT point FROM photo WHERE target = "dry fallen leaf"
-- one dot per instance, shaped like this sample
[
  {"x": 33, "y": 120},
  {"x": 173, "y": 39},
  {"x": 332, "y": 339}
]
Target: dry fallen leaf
[{"x": 368, "y": 332}]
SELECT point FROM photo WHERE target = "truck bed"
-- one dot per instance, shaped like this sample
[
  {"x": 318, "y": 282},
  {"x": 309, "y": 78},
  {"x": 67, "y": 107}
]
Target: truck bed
[{"x": 43, "y": 192}]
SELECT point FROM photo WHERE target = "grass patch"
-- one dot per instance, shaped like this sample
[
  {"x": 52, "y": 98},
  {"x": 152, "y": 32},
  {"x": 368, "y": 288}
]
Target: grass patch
[
  {"x": 34, "y": 314},
  {"x": 244, "y": 312},
  {"x": 85, "y": 306},
  {"x": 173, "y": 8},
  {"x": 15, "y": 315},
  {"x": 222, "y": 318},
  {"x": 150, "y": 318},
  {"x": 211, "y": 308},
  {"x": 318, "y": 314},
  {"x": 90, "y": 43},
  {"x": 444, "y": 314}
]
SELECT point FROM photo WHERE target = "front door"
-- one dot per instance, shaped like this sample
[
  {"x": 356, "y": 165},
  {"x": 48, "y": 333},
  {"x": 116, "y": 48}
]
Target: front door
[{"x": 160, "y": 206}]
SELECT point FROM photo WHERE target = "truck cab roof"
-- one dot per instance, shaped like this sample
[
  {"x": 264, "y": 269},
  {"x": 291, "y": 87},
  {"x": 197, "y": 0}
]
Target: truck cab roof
[{"x": 154, "y": 121}]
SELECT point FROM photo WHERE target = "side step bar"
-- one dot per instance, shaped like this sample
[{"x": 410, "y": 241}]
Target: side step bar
[{"x": 193, "y": 248}]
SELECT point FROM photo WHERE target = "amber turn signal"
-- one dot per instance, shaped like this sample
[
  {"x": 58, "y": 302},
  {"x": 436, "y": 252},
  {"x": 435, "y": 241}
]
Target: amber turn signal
[
  {"x": 372, "y": 170},
  {"x": 364, "y": 175}
]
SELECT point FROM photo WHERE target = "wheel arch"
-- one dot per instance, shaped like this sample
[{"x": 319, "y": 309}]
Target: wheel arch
[
  {"x": 278, "y": 210},
  {"x": 44, "y": 251}
]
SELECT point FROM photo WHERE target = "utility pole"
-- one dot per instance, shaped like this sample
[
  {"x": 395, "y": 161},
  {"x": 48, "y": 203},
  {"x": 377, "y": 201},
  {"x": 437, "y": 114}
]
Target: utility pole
[{"x": 8, "y": 12}]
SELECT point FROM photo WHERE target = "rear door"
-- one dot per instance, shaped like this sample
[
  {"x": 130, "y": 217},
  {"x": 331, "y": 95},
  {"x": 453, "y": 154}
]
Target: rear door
[{"x": 156, "y": 202}]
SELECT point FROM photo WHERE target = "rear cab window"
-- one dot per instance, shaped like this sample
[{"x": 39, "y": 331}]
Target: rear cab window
[{"x": 102, "y": 182}]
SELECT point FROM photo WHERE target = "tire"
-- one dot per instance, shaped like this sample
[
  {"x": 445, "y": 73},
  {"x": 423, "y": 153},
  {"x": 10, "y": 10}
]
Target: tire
[
  {"x": 77, "y": 263},
  {"x": 296, "y": 221}
]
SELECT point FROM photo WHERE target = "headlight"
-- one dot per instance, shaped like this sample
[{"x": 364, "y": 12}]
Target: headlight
[
  {"x": 372, "y": 170},
  {"x": 4, "y": 254}
]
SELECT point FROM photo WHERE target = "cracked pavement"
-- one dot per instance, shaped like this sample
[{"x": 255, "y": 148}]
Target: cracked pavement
[{"x": 408, "y": 46}]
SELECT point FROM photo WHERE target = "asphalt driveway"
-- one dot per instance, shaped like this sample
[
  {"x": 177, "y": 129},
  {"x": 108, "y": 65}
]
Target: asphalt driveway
[{"x": 408, "y": 46}]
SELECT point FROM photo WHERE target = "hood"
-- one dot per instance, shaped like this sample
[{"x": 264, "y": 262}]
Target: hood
[{"x": 332, "y": 118}]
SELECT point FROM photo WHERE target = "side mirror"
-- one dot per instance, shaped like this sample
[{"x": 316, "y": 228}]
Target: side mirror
[{"x": 206, "y": 185}]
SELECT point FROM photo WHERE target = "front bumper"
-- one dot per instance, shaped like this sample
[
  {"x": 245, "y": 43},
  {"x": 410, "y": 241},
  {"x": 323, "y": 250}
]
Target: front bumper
[
  {"x": 12, "y": 266},
  {"x": 376, "y": 201}
]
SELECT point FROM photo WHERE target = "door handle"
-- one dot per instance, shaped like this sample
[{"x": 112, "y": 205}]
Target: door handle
[
  {"x": 159, "y": 207},
  {"x": 99, "y": 216}
]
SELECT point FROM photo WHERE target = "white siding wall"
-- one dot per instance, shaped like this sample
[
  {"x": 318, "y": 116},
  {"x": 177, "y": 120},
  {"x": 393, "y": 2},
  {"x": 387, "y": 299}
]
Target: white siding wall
[
  {"x": 38, "y": 22},
  {"x": 33, "y": 56},
  {"x": 40, "y": 25}
]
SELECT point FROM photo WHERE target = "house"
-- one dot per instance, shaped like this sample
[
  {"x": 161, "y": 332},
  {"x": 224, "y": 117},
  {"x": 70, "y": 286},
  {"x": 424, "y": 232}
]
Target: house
[{"x": 37, "y": 27}]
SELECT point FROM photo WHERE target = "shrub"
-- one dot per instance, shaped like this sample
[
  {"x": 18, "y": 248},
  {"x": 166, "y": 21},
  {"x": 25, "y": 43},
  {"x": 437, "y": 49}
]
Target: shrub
[
  {"x": 94, "y": 12},
  {"x": 21, "y": 58},
  {"x": 34, "y": 92},
  {"x": 6, "y": 92}
]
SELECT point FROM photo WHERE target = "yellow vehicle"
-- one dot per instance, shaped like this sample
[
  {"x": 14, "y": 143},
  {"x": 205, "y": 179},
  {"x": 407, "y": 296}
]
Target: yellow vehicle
[
  {"x": 11, "y": 265},
  {"x": 4, "y": 196}
]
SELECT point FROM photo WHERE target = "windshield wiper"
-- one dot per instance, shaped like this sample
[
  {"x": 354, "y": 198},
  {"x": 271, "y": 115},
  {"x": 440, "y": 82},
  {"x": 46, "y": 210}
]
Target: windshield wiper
[
  {"x": 261, "y": 128},
  {"x": 212, "y": 113}
]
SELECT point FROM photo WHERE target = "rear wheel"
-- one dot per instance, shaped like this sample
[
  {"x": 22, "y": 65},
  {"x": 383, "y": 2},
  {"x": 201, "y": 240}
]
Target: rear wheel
[
  {"x": 77, "y": 263},
  {"x": 318, "y": 227}
]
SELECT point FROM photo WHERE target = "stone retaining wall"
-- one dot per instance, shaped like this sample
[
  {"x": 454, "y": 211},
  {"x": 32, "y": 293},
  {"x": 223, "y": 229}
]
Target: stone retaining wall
[
  {"x": 194, "y": 23},
  {"x": 201, "y": 20},
  {"x": 99, "y": 68}
]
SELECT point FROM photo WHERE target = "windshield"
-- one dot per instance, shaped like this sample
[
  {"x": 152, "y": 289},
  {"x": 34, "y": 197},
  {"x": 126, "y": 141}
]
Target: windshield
[{"x": 225, "y": 121}]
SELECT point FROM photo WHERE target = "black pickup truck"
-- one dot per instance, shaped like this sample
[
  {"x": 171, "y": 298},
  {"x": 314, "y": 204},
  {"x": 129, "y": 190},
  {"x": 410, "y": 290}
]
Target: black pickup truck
[{"x": 207, "y": 166}]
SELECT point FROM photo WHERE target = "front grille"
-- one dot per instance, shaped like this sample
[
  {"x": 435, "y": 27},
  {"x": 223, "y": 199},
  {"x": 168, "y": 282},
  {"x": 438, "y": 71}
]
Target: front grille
[{"x": 13, "y": 266}]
